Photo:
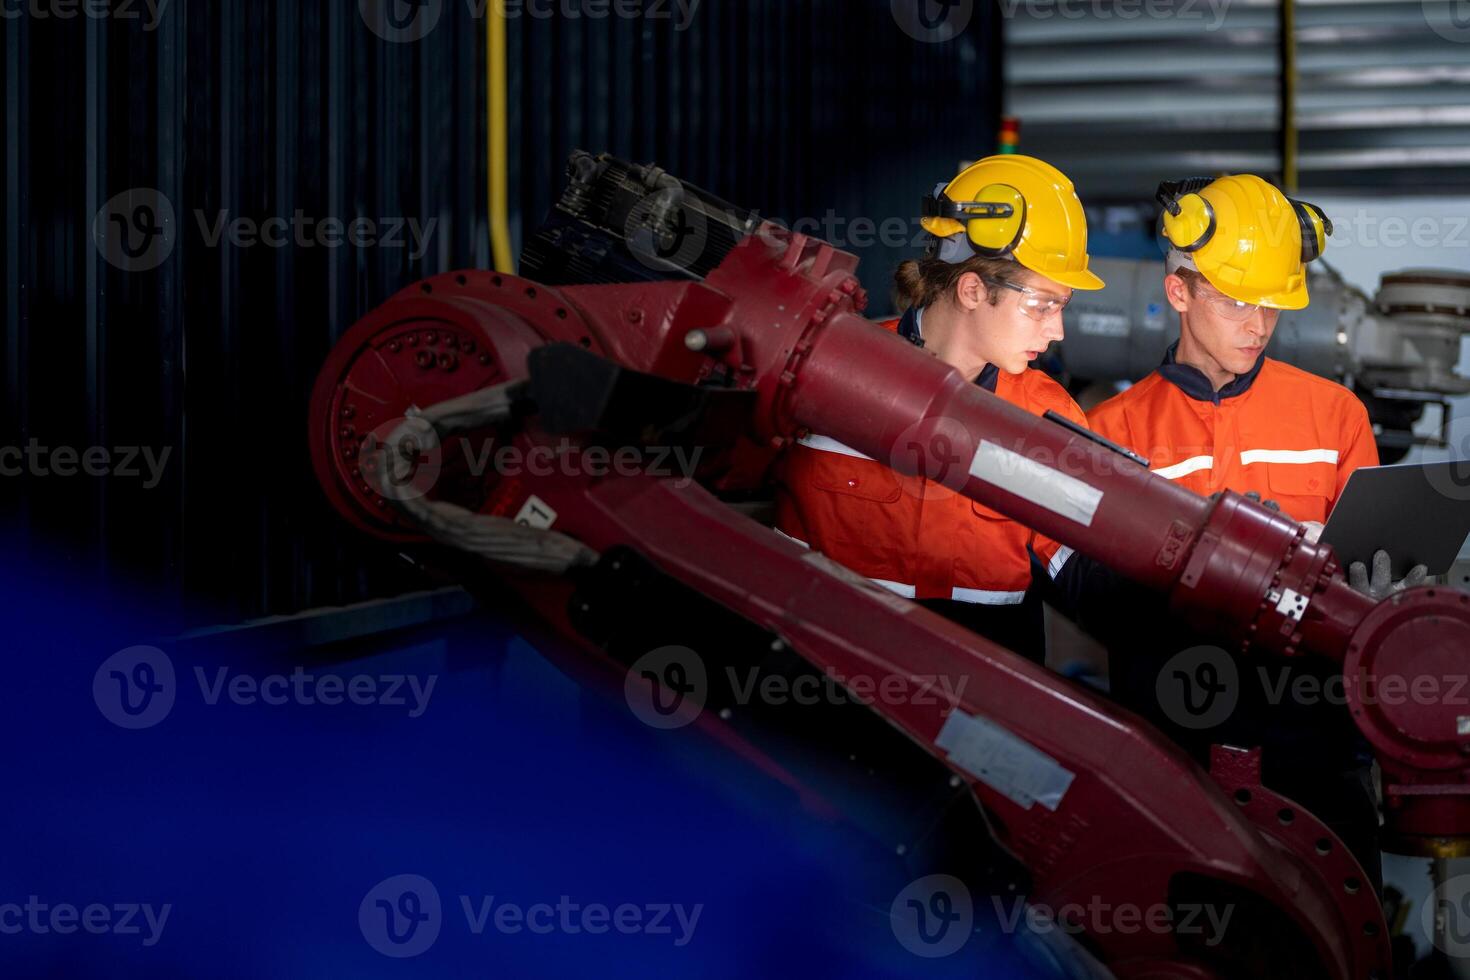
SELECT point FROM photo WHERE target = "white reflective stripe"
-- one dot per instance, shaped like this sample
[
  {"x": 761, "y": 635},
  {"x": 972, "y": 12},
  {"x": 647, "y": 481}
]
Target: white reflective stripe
[
  {"x": 984, "y": 597},
  {"x": 1288, "y": 456},
  {"x": 828, "y": 445},
  {"x": 898, "y": 588},
  {"x": 790, "y": 538},
  {"x": 1059, "y": 561},
  {"x": 1185, "y": 468}
]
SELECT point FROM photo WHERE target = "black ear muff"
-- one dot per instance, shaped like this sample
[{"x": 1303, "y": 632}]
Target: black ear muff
[
  {"x": 1188, "y": 220},
  {"x": 1315, "y": 227}
]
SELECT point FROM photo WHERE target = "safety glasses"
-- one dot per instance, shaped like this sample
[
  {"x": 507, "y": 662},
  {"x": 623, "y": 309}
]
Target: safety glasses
[
  {"x": 1035, "y": 304},
  {"x": 1234, "y": 309}
]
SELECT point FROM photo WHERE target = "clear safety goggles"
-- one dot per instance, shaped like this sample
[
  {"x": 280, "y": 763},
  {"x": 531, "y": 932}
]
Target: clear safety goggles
[
  {"x": 1034, "y": 303},
  {"x": 1234, "y": 309}
]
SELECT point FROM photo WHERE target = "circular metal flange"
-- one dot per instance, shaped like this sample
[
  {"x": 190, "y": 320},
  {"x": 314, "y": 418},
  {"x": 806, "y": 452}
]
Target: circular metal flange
[
  {"x": 1406, "y": 677},
  {"x": 431, "y": 342}
]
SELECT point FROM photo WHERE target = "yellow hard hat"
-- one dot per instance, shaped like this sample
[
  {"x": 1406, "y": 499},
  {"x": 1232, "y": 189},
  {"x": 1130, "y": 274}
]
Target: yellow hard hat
[
  {"x": 1249, "y": 240},
  {"x": 1017, "y": 206}
]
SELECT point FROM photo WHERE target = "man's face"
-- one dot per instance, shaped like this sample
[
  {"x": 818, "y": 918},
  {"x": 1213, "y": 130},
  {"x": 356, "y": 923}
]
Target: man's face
[{"x": 1233, "y": 334}]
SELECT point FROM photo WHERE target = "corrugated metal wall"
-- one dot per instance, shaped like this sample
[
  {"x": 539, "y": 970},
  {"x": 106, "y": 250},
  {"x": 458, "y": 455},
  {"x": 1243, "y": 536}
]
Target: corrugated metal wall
[
  {"x": 179, "y": 252},
  {"x": 1122, "y": 93}
]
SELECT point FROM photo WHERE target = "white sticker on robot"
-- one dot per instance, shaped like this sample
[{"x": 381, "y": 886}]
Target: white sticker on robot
[
  {"x": 536, "y": 512},
  {"x": 1004, "y": 761},
  {"x": 1036, "y": 482},
  {"x": 1292, "y": 604}
]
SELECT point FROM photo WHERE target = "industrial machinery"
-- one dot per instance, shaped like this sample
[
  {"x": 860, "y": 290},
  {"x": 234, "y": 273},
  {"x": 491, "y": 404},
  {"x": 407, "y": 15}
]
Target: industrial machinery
[
  {"x": 1397, "y": 350},
  {"x": 521, "y": 433}
]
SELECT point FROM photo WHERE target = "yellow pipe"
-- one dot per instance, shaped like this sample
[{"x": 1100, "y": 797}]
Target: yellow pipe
[
  {"x": 1288, "y": 96},
  {"x": 497, "y": 124}
]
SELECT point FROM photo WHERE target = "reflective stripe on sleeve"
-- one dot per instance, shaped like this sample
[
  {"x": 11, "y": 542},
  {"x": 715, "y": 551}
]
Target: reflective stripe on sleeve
[{"x": 1059, "y": 561}]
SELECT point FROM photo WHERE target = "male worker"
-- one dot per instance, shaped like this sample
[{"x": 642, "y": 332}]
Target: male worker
[{"x": 1218, "y": 414}]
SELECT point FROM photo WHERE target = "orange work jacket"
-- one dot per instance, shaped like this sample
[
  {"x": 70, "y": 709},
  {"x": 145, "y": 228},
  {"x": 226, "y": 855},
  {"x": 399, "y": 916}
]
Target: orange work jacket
[
  {"x": 1288, "y": 435},
  {"x": 913, "y": 536}
]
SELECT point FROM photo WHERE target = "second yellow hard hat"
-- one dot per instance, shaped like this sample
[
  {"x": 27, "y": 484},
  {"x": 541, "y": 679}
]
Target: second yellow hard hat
[{"x": 1249, "y": 240}]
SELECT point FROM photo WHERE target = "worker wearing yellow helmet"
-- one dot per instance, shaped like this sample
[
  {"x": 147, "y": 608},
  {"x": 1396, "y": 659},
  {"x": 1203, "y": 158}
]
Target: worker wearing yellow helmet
[
  {"x": 1008, "y": 245},
  {"x": 1218, "y": 414},
  {"x": 1017, "y": 208}
]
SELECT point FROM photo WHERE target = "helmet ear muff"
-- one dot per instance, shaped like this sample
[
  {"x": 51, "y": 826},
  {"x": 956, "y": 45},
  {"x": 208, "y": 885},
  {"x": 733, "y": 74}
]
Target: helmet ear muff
[
  {"x": 1001, "y": 220},
  {"x": 1188, "y": 220},
  {"x": 993, "y": 222},
  {"x": 1192, "y": 226},
  {"x": 1315, "y": 227}
]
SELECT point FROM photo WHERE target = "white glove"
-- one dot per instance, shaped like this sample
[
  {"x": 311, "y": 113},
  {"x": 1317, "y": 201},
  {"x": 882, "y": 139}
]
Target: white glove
[
  {"x": 1381, "y": 584},
  {"x": 1314, "y": 531}
]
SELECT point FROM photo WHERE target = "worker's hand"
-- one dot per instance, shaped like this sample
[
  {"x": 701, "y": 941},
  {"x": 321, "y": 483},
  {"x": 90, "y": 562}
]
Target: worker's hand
[
  {"x": 1255, "y": 498},
  {"x": 1381, "y": 584},
  {"x": 1314, "y": 531}
]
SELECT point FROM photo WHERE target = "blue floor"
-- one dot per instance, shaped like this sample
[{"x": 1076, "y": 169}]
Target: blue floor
[{"x": 505, "y": 821}]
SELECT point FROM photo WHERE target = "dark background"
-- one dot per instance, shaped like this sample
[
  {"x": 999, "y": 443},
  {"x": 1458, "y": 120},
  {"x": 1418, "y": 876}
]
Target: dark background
[{"x": 261, "y": 109}]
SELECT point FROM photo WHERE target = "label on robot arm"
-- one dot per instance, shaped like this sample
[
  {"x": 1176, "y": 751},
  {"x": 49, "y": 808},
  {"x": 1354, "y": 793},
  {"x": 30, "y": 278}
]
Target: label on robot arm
[
  {"x": 536, "y": 512},
  {"x": 1036, "y": 482},
  {"x": 1004, "y": 761}
]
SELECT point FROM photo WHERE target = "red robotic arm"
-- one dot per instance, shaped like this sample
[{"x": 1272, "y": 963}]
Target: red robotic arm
[
  {"x": 1090, "y": 799},
  {"x": 1234, "y": 568}
]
